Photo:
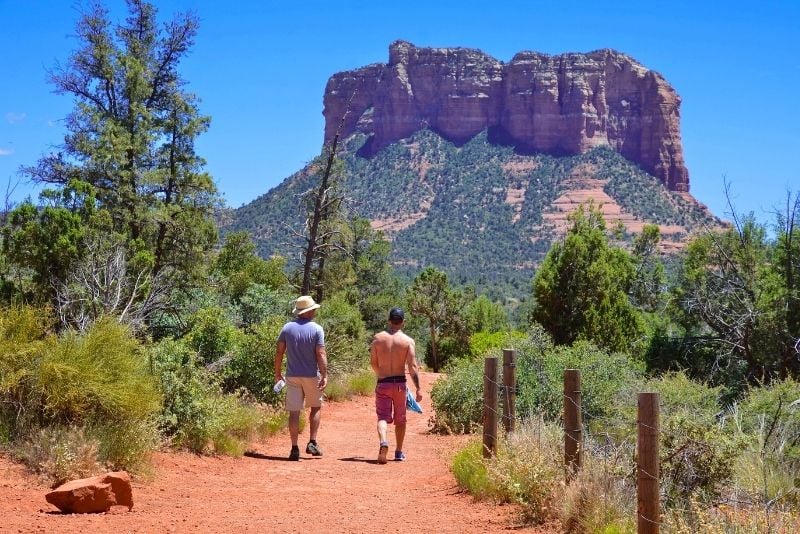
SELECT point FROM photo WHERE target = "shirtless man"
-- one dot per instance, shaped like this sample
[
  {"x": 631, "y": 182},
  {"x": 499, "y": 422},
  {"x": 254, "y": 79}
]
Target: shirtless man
[{"x": 391, "y": 353}]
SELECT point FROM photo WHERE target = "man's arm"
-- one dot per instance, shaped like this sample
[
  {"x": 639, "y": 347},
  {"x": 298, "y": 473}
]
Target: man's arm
[
  {"x": 280, "y": 349},
  {"x": 413, "y": 369},
  {"x": 322, "y": 364},
  {"x": 373, "y": 357}
]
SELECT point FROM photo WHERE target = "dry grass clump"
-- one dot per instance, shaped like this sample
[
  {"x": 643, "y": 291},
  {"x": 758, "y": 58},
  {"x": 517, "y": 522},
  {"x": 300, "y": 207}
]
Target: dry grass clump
[{"x": 526, "y": 471}]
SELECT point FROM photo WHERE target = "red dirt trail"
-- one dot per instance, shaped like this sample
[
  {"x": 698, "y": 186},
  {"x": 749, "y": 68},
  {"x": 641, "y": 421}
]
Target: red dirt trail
[{"x": 343, "y": 491}]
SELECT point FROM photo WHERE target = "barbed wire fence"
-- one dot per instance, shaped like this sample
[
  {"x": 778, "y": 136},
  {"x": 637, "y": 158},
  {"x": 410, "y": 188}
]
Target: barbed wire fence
[{"x": 576, "y": 436}]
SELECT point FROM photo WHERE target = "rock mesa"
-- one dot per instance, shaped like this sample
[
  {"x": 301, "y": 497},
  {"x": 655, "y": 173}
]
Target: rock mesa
[{"x": 564, "y": 104}]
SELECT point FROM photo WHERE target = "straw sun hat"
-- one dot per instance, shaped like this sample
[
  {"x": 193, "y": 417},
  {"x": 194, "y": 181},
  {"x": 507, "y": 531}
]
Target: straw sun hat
[{"x": 304, "y": 304}]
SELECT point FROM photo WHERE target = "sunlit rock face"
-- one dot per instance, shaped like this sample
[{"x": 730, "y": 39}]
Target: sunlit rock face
[{"x": 565, "y": 104}]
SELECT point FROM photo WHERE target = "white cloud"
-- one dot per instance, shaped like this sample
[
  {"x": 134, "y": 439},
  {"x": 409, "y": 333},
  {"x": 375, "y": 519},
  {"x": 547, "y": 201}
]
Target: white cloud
[
  {"x": 6, "y": 151},
  {"x": 14, "y": 118}
]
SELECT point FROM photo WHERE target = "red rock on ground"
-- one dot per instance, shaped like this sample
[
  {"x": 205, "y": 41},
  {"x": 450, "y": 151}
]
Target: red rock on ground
[{"x": 93, "y": 495}]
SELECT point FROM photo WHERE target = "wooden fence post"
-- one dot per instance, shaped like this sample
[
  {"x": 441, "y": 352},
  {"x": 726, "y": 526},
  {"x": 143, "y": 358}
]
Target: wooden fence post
[
  {"x": 647, "y": 471},
  {"x": 509, "y": 389},
  {"x": 490, "y": 407},
  {"x": 573, "y": 423}
]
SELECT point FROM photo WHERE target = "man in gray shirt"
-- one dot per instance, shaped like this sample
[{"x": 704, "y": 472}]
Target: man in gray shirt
[{"x": 303, "y": 341}]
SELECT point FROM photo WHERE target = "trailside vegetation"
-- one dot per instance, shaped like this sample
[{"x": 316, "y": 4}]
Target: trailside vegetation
[
  {"x": 127, "y": 324},
  {"x": 711, "y": 334}
]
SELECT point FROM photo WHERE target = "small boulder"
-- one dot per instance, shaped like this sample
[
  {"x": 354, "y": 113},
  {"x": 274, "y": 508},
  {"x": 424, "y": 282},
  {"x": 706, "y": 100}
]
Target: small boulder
[{"x": 93, "y": 495}]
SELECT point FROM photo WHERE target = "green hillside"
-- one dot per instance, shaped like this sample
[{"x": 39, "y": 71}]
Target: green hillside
[{"x": 448, "y": 205}]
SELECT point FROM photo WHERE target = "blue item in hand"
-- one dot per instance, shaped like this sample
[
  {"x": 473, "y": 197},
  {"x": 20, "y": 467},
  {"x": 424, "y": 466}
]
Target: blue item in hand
[{"x": 411, "y": 402}]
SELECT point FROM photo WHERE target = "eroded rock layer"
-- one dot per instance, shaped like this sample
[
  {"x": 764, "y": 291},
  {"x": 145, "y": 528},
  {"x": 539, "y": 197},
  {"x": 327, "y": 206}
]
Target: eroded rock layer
[{"x": 565, "y": 104}]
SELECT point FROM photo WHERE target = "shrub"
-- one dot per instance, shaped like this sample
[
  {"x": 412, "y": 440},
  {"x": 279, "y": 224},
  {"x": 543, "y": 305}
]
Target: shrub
[
  {"x": 59, "y": 453},
  {"x": 259, "y": 303},
  {"x": 362, "y": 382},
  {"x": 88, "y": 383},
  {"x": 345, "y": 336},
  {"x": 337, "y": 390},
  {"x": 212, "y": 335},
  {"x": 481, "y": 343},
  {"x": 470, "y": 471},
  {"x": 126, "y": 445},
  {"x": 237, "y": 422},
  {"x": 774, "y": 412},
  {"x": 100, "y": 374},
  {"x": 540, "y": 376},
  {"x": 526, "y": 470},
  {"x": 696, "y": 459},
  {"x": 768, "y": 420},
  {"x": 679, "y": 396},
  {"x": 599, "y": 500},
  {"x": 457, "y": 399},
  {"x": 251, "y": 365},
  {"x": 196, "y": 413}
]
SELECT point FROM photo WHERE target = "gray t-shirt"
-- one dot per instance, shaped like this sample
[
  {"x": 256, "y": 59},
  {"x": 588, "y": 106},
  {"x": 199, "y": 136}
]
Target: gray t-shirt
[{"x": 302, "y": 336}]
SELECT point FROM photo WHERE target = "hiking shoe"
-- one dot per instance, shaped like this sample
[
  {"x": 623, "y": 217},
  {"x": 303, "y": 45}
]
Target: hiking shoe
[
  {"x": 382, "y": 452},
  {"x": 399, "y": 456},
  {"x": 313, "y": 449},
  {"x": 295, "y": 454}
]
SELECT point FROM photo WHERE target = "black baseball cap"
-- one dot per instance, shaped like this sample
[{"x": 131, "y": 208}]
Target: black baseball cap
[{"x": 396, "y": 315}]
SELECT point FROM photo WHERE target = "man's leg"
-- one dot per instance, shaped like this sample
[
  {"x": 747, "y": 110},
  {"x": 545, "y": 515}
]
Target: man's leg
[
  {"x": 400, "y": 434},
  {"x": 382, "y": 426},
  {"x": 314, "y": 418},
  {"x": 294, "y": 427}
]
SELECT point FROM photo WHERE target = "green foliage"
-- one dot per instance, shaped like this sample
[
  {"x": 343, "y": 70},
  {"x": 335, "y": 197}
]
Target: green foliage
[
  {"x": 78, "y": 396},
  {"x": 251, "y": 365},
  {"x": 343, "y": 386},
  {"x": 697, "y": 454},
  {"x": 457, "y": 400},
  {"x": 345, "y": 335},
  {"x": 430, "y": 296},
  {"x": 598, "y": 500},
  {"x": 463, "y": 192},
  {"x": 774, "y": 407},
  {"x": 483, "y": 315},
  {"x": 481, "y": 343},
  {"x": 525, "y": 471},
  {"x": 470, "y": 471},
  {"x": 540, "y": 375},
  {"x": 48, "y": 240},
  {"x": 196, "y": 413},
  {"x": 735, "y": 289},
  {"x": 248, "y": 278},
  {"x": 130, "y": 144},
  {"x": 259, "y": 303},
  {"x": 697, "y": 459},
  {"x": 581, "y": 288},
  {"x": 97, "y": 375},
  {"x": 211, "y": 334},
  {"x": 362, "y": 382},
  {"x": 126, "y": 444},
  {"x": 649, "y": 279}
]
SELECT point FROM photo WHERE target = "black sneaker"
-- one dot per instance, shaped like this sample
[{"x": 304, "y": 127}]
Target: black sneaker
[
  {"x": 295, "y": 454},
  {"x": 313, "y": 449}
]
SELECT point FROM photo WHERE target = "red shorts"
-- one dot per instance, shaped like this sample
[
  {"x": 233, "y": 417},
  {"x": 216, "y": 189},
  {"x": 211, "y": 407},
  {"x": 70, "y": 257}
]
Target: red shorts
[{"x": 391, "y": 398}]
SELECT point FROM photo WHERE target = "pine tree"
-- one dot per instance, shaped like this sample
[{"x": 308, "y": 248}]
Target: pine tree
[{"x": 131, "y": 135}]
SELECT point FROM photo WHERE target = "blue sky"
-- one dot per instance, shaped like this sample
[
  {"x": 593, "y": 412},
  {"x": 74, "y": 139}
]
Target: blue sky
[{"x": 260, "y": 69}]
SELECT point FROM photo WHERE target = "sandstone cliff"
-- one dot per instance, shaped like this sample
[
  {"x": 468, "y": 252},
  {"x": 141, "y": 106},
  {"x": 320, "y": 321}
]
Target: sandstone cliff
[{"x": 566, "y": 104}]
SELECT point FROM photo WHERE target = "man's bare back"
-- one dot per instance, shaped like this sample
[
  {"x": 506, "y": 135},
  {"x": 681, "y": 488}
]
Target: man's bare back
[{"x": 391, "y": 352}]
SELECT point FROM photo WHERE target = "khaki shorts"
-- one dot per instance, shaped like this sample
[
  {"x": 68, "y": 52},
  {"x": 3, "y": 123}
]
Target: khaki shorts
[{"x": 302, "y": 388}]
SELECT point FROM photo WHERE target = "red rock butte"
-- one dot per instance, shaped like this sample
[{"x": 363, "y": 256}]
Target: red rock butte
[{"x": 562, "y": 105}]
